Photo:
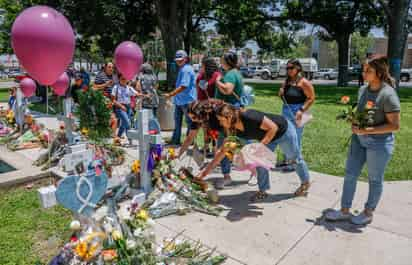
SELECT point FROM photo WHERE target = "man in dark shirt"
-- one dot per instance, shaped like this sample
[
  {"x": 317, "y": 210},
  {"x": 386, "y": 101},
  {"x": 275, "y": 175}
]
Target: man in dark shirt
[{"x": 105, "y": 80}]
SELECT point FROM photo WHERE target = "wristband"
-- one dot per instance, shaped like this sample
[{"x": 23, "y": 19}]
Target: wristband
[{"x": 301, "y": 109}]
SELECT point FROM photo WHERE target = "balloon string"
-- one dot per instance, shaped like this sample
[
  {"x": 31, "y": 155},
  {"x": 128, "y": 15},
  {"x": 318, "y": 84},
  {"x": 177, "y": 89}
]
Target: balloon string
[{"x": 48, "y": 132}]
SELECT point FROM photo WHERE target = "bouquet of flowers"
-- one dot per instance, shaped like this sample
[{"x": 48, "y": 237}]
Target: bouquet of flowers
[
  {"x": 359, "y": 117},
  {"x": 352, "y": 114}
]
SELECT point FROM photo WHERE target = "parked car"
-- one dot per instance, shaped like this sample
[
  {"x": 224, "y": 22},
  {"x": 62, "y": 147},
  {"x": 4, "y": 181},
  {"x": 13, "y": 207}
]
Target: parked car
[
  {"x": 406, "y": 75},
  {"x": 257, "y": 70},
  {"x": 309, "y": 65},
  {"x": 354, "y": 72},
  {"x": 326, "y": 73},
  {"x": 246, "y": 72}
]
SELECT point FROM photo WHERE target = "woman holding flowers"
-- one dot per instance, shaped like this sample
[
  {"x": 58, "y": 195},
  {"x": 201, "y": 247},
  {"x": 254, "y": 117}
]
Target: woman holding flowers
[
  {"x": 372, "y": 141},
  {"x": 271, "y": 130}
]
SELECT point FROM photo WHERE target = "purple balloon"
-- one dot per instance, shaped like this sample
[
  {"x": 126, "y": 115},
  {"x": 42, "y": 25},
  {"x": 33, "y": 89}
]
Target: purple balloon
[
  {"x": 128, "y": 57},
  {"x": 61, "y": 84},
  {"x": 43, "y": 41},
  {"x": 27, "y": 86}
]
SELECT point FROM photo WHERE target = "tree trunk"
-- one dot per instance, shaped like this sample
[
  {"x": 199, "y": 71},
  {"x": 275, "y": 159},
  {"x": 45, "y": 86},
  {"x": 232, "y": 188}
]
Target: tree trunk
[
  {"x": 172, "y": 30},
  {"x": 188, "y": 26},
  {"x": 397, "y": 36},
  {"x": 343, "y": 58}
]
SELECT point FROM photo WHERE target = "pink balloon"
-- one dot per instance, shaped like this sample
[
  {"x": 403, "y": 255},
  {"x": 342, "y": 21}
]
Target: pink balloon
[
  {"x": 128, "y": 57},
  {"x": 43, "y": 41},
  {"x": 61, "y": 85},
  {"x": 27, "y": 86}
]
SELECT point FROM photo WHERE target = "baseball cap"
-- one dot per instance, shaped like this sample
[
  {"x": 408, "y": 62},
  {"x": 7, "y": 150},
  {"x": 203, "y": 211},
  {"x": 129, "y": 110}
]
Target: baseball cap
[{"x": 180, "y": 55}]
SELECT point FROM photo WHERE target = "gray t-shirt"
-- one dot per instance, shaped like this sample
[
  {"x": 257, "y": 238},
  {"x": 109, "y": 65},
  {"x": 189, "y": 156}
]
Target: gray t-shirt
[{"x": 385, "y": 100}]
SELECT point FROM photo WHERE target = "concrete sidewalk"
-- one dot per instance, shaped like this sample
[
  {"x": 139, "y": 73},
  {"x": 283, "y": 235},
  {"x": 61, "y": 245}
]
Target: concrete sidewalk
[{"x": 291, "y": 231}]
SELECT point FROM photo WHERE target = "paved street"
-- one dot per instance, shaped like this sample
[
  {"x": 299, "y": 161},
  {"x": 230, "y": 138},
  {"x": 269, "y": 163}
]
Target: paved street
[{"x": 162, "y": 76}]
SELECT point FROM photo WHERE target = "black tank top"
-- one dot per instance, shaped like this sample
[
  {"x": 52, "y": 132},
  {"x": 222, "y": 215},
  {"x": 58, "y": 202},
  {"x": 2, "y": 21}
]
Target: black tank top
[{"x": 294, "y": 94}]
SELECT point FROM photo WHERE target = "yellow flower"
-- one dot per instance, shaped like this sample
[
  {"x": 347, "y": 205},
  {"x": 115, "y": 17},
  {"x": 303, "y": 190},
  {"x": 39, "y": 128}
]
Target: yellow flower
[
  {"x": 85, "y": 131},
  {"x": 117, "y": 235},
  {"x": 169, "y": 245},
  {"x": 143, "y": 214},
  {"x": 81, "y": 249},
  {"x": 136, "y": 167},
  {"x": 84, "y": 251},
  {"x": 171, "y": 152},
  {"x": 10, "y": 116}
]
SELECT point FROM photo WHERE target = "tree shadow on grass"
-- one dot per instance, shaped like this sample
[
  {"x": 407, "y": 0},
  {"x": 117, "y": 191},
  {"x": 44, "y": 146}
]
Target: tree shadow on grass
[
  {"x": 239, "y": 206},
  {"x": 335, "y": 226}
]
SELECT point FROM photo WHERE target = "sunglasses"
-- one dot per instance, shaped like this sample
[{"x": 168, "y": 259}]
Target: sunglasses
[{"x": 290, "y": 68}]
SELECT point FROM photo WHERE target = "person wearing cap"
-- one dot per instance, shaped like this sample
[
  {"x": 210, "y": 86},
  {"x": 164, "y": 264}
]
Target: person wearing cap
[{"x": 183, "y": 95}]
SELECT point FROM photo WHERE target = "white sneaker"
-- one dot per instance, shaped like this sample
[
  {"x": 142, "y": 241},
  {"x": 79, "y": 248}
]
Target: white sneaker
[
  {"x": 337, "y": 215},
  {"x": 361, "y": 219}
]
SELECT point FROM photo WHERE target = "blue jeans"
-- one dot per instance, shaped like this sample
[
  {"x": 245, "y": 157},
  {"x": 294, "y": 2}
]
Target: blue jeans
[
  {"x": 289, "y": 113},
  {"x": 180, "y": 111},
  {"x": 375, "y": 151},
  {"x": 225, "y": 164},
  {"x": 124, "y": 118},
  {"x": 288, "y": 143}
]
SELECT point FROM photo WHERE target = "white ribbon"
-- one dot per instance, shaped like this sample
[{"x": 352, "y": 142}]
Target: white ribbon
[{"x": 86, "y": 202}]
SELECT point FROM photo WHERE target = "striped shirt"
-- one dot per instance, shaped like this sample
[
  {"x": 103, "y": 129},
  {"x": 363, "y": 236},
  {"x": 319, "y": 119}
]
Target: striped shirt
[{"x": 102, "y": 78}]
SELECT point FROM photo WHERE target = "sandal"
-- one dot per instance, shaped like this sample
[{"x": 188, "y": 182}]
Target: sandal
[
  {"x": 259, "y": 196},
  {"x": 302, "y": 190}
]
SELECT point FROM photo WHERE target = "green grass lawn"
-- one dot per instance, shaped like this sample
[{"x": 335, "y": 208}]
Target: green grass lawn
[
  {"x": 28, "y": 232},
  {"x": 324, "y": 137},
  {"x": 4, "y": 95}
]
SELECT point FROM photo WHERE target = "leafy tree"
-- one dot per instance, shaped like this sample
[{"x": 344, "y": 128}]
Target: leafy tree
[
  {"x": 360, "y": 46},
  {"x": 398, "y": 22},
  {"x": 339, "y": 19}
]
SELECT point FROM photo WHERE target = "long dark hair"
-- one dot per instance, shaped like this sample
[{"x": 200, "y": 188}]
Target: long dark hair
[
  {"x": 231, "y": 113},
  {"x": 295, "y": 62},
  {"x": 202, "y": 110},
  {"x": 230, "y": 59},
  {"x": 381, "y": 66},
  {"x": 210, "y": 67}
]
